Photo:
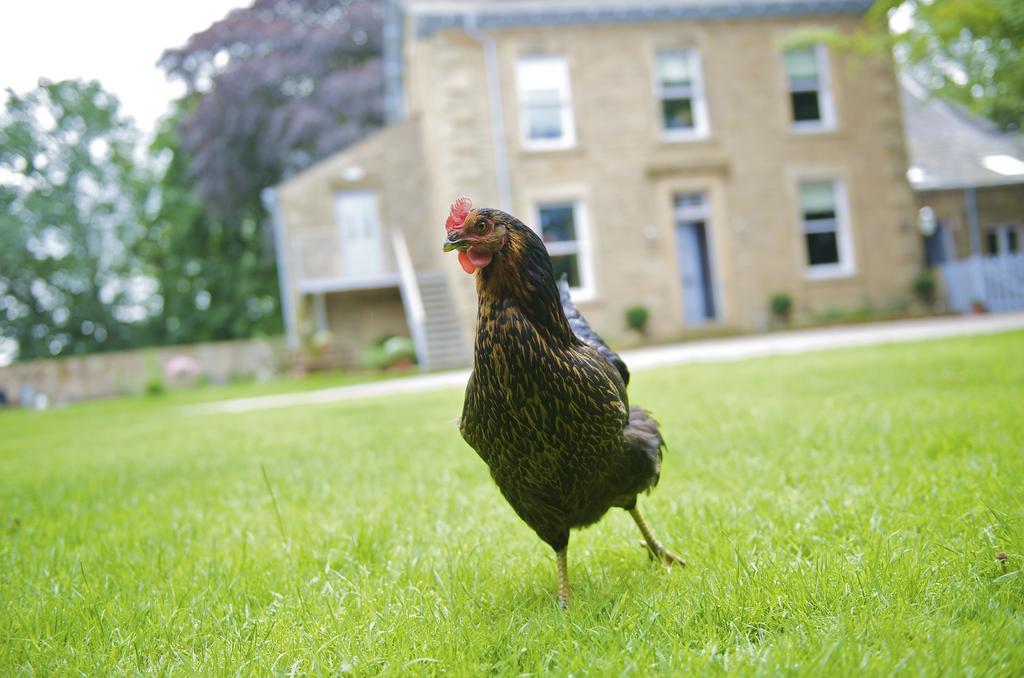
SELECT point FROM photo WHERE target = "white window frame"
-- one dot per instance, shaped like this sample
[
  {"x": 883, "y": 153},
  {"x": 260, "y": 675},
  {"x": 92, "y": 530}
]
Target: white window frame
[
  {"x": 1002, "y": 234},
  {"x": 564, "y": 87},
  {"x": 847, "y": 264},
  {"x": 826, "y": 105},
  {"x": 701, "y": 126},
  {"x": 581, "y": 247}
]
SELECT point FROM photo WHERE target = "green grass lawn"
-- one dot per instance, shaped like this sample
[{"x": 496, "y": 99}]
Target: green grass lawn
[
  {"x": 840, "y": 512},
  {"x": 281, "y": 384}
]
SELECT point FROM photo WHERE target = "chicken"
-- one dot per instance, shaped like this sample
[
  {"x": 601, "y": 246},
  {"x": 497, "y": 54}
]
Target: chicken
[{"x": 546, "y": 405}]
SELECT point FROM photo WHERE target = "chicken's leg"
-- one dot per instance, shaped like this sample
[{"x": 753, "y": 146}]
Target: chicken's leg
[
  {"x": 563, "y": 577},
  {"x": 654, "y": 547}
]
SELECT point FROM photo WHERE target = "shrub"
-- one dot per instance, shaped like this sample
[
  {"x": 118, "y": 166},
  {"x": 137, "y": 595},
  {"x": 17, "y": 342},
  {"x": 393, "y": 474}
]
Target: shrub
[
  {"x": 390, "y": 351},
  {"x": 155, "y": 385},
  {"x": 924, "y": 285},
  {"x": 636, "y": 319},
  {"x": 832, "y": 314},
  {"x": 400, "y": 350},
  {"x": 319, "y": 342},
  {"x": 781, "y": 305},
  {"x": 861, "y": 314}
]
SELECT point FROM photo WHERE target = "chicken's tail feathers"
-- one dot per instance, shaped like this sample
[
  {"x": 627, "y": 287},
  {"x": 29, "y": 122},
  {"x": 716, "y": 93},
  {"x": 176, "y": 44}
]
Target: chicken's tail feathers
[
  {"x": 585, "y": 333},
  {"x": 642, "y": 437}
]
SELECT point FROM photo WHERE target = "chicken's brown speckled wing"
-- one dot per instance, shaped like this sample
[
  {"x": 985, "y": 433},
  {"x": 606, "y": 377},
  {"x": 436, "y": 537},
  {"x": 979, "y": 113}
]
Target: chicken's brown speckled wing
[{"x": 582, "y": 329}]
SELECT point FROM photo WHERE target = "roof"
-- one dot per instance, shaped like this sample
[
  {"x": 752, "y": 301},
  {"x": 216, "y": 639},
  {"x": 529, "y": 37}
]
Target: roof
[
  {"x": 431, "y": 16},
  {"x": 950, "y": 147}
]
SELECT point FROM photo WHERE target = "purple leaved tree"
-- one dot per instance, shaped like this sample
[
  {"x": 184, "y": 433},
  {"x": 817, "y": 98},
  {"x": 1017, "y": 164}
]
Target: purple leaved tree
[{"x": 280, "y": 84}]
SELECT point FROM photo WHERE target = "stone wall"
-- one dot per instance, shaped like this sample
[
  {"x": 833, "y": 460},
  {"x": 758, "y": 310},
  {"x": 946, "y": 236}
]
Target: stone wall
[{"x": 100, "y": 375}]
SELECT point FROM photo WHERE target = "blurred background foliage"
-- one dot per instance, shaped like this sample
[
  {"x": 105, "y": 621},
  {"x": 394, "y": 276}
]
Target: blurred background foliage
[
  {"x": 968, "y": 51},
  {"x": 106, "y": 245},
  {"x": 277, "y": 86},
  {"x": 215, "y": 274},
  {"x": 169, "y": 244},
  {"x": 72, "y": 208}
]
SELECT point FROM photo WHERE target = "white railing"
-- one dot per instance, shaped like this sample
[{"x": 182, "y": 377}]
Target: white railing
[
  {"x": 319, "y": 269},
  {"x": 415, "y": 314},
  {"x": 996, "y": 281}
]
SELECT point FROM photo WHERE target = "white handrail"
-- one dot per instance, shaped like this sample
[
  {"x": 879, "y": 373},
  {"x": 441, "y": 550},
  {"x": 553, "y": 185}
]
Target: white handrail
[{"x": 411, "y": 299}]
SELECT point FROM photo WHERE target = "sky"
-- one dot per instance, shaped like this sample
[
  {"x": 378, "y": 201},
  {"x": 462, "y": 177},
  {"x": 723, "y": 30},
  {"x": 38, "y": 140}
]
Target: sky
[{"x": 117, "y": 42}]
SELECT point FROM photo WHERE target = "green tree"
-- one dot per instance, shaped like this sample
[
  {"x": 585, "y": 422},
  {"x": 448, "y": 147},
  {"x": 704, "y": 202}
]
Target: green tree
[
  {"x": 211, "y": 277},
  {"x": 71, "y": 197},
  {"x": 969, "y": 51},
  {"x": 281, "y": 84}
]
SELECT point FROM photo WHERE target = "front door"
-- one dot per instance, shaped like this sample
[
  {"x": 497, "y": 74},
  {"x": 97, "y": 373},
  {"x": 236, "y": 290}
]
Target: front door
[
  {"x": 938, "y": 246},
  {"x": 693, "y": 254},
  {"x": 359, "y": 222}
]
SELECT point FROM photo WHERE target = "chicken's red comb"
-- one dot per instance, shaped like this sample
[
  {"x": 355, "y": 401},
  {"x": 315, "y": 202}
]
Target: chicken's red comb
[{"x": 458, "y": 213}]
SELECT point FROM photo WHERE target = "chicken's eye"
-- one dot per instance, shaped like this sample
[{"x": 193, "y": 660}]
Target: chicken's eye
[{"x": 481, "y": 226}]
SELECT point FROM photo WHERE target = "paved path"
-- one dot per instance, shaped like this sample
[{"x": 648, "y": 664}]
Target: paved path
[{"x": 715, "y": 350}]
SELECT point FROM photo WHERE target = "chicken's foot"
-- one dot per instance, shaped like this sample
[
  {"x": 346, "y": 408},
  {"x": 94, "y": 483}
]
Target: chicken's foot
[
  {"x": 655, "y": 549},
  {"x": 563, "y": 578}
]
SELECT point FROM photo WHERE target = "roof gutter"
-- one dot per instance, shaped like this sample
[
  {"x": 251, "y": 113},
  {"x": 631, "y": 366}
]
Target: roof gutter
[
  {"x": 469, "y": 25},
  {"x": 499, "y": 15},
  {"x": 928, "y": 186}
]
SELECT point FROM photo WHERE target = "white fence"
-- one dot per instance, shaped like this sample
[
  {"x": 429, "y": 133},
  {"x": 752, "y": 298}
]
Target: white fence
[{"x": 997, "y": 282}]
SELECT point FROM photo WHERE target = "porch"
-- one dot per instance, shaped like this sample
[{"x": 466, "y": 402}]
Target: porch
[
  {"x": 396, "y": 300},
  {"x": 346, "y": 287},
  {"x": 995, "y": 283}
]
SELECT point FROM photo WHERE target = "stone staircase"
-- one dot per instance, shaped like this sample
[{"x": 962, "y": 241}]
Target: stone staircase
[
  {"x": 446, "y": 347},
  {"x": 429, "y": 312}
]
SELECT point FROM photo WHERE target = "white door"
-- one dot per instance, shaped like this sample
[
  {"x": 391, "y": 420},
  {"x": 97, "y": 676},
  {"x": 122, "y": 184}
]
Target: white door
[
  {"x": 359, "y": 221},
  {"x": 693, "y": 252},
  {"x": 691, "y": 272}
]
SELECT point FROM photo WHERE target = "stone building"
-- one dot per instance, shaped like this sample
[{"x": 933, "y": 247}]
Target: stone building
[{"x": 689, "y": 156}]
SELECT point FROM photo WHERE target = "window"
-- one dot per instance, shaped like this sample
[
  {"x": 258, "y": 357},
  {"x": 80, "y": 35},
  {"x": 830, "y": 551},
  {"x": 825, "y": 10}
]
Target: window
[
  {"x": 1004, "y": 239},
  {"x": 560, "y": 226},
  {"x": 680, "y": 88},
  {"x": 825, "y": 229},
  {"x": 545, "y": 104},
  {"x": 809, "y": 96}
]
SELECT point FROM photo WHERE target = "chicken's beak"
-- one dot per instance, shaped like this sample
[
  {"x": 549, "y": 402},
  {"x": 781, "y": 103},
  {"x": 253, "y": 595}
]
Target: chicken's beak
[{"x": 454, "y": 242}]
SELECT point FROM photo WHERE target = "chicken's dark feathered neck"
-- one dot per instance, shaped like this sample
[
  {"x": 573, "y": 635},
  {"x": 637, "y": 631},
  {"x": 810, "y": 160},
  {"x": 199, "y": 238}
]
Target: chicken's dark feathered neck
[{"x": 521, "y": 276}]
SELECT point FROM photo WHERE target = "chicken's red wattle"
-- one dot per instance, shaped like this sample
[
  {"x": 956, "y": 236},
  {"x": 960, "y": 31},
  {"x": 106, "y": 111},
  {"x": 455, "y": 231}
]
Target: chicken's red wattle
[{"x": 474, "y": 258}]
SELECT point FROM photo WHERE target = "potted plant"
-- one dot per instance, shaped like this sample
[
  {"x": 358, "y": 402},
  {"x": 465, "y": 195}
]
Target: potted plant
[{"x": 390, "y": 352}]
